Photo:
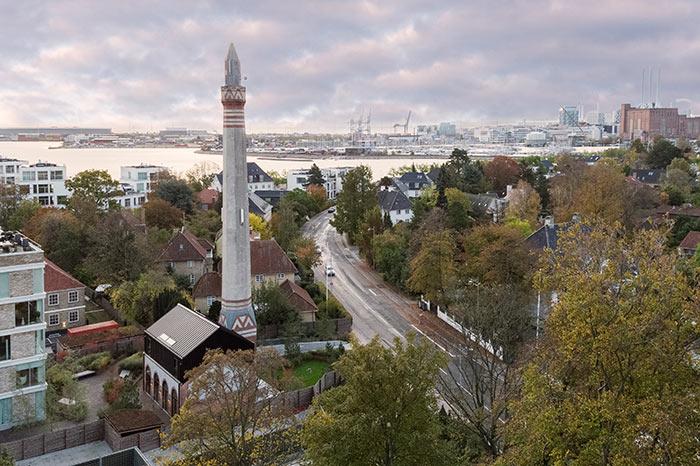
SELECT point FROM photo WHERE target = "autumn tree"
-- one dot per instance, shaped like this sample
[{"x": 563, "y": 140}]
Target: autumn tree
[
  {"x": 231, "y": 416},
  {"x": 433, "y": 267},
  {"x": 484, "y": 379},
  {"x": 201, "y": 175},
  {"x": 502, "y": 171},
  {"x": 386, "y": 415},
  {"x": 260, "y": 226},
  {"x": 60, "y": 235},
  {"x": 161, "y": 214},
  {"x": 139, "y": 298},
  {"x": 318, "y": 196},
  {"x": 613, "y": 380},
  {"x": 524, "y": 204},
  {"x": 372, "y": 224},
  {"x": 359, "y": 194},
  {"x": 306, "y": 252}
]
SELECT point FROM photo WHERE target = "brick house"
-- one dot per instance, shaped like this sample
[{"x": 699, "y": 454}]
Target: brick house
[
  {"x": 187, "y": 255},
  {"x": 300, "y": 300},
  {"x": 22, "y": 331},
  {"x": 65, "y": 299}
]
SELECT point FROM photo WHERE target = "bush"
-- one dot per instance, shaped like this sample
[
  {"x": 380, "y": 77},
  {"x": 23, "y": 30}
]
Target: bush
[
  {"x": 121, "y": 394},
  {"x": 112, "y": 389},
  {"x": 133, "y": 363},
  {"x": 94, "y": 362},
  {"x": 5, "y": 458},
  {"x": 292, "y": 352},
  {"x": 330, "y": 309}
]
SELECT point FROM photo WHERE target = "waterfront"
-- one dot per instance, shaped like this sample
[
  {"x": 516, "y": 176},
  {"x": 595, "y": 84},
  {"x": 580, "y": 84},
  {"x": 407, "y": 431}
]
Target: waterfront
[{"x": 179, "y": 159}]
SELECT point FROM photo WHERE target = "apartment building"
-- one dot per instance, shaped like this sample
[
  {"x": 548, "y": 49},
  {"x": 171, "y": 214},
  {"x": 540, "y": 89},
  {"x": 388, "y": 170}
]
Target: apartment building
[
  {"x": 22, "y": 328},
  {"x": 297, "y": 179},
  {"x": 65, "y": 299},
  {"x": 140, "y": 178},
  {"x": 10, "y": 169}
]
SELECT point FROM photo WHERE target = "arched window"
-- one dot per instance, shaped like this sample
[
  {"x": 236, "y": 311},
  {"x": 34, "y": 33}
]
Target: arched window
[
  {"x": 156, "y": 392},
  {"x": 147, "y": 381},
  {"x": 173, "y": 402},
  {"x": 166, "y": 398}
]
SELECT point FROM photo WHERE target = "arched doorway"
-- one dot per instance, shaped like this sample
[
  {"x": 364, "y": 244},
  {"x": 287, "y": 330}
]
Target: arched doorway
[
  {"x": 147, "y": 381},
  {"x": 166, "y": 398},
  {"x": 173, "y": 402},
  {"x": 156, "y": 385}
]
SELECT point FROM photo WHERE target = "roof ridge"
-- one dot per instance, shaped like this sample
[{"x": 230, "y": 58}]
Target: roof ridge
[
  {"x": 61, "y": 271},
  {"x": 197, "y": 314}
]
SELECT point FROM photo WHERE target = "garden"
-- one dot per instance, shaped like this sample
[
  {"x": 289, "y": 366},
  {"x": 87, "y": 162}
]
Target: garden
[{"x": 305, "y": 369}]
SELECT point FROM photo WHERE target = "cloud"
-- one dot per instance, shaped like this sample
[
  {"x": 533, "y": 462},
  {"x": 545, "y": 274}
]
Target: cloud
[{"x": 314, "y": 65}]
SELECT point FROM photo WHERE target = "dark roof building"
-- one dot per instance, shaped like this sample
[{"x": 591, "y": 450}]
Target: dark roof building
[
  {"x": 689, "y": 244},
  {"x": 272, "y": 197},
  {"x": 255, "y": 175},
  {"x": 393, "y": 200},
  {"x": 652, "y": 177},
  {"x": 185, "y": 246},
  {"x": 434, "y": 174},
  {"x": 547, "y": 236}
]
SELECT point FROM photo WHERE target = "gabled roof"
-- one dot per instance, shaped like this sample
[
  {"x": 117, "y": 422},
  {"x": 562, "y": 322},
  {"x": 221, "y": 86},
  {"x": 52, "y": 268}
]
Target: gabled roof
[
  {"x": 298, "y": 297},
  {"x": 547, "y": 236},
  {"x": 434, "y": 174},
  {"x": 184, "y": 246},
  {"x": 258, "y": 174},
  {"x": 258, "y": 205},
  {"x": 268, "y": 258},
  {"x": 182, "y": 330},
  {"x": 208, "y": 196},
  {"x": 415, "y": 177},
  {"x": 57, "y": 279},
  {"x": 208, "y": 284},
  {"x": 648, "y": 176},
  {"x": 393, "y": 200},
  {"x": 691, "y": 240}
]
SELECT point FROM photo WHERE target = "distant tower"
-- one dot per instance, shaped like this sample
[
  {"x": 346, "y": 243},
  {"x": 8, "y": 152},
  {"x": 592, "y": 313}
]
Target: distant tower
[{"x": 236, "y": 304}]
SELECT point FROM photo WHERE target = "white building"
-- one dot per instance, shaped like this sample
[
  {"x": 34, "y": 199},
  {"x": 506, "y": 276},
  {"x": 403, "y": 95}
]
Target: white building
[
  {"x": 10, "y": 170},
  {"x": 44, "y": 183},
  {"x": 297, "y": 179},
  {"x": 396, "y": 204},
  {"x": 258, "y": 180},
  {"x": 140, "y": 177}
]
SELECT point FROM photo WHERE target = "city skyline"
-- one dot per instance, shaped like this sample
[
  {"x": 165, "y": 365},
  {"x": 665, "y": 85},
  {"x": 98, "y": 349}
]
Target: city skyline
[{"x": 313, "y": 67}]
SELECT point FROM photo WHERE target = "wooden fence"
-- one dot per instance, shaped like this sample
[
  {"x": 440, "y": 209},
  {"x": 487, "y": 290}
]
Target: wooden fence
[
  {"x": 49, "y": 442},
  {"x": 299, "y": 400},
  {"x": 103, "y": 302}
]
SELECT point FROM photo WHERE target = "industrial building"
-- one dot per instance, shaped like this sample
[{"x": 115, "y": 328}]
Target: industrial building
[{"x": 646, "y": 123}]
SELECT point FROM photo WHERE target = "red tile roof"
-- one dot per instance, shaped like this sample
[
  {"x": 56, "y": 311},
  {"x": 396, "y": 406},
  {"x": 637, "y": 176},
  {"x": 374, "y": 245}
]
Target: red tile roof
[
  {"x": 298, "y": 297},
  {"x": 208, "y": 284},
  {"x": 691, "y": 240},
  {"x": 208, "y": 196},
  {"x": 268, "y": 258},
  {"x": 57, "y": 279},
  {"x": 184, "y": 246}
]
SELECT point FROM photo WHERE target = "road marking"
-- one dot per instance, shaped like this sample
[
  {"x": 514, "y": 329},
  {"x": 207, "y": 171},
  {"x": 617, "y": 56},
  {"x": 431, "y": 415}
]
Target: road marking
[{"x": 433, "y": 341}]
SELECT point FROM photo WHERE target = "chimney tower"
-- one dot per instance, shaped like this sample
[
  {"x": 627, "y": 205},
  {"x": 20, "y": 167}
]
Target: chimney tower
[{"x": 236, "y": 305}]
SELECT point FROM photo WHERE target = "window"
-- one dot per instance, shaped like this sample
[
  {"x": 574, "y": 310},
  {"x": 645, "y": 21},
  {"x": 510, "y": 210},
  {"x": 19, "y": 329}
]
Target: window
[
  {"x": 42, "y": 176},
  {"x": 9, "y": 169},
  {"x": 142, "y": 176},
  {"x": 210, "y": 300},
  {"x": 280, "y": 275},
  {"x": 57, "y": 175},
  {"x": 53, "y": 299},
  {"x": 44, "y": 188},
  {"x": 54, "y": 319},
  {"x": 28, "y": 176},
  {"x": 191, "y": 279},
  {"x": 73, "y": 296},
  {"x": 26, "y": 313},
  {"x": 127, "y": 202},
  {"x": 259, "y": 278},
  {"x": 189, "y": 264},
  {"x": 73, "y": 317},
  {"x": 45, "y": 200},
  {"x": 27, "y": 377},
  {"x": 10, "y": 180},
  {"x": 5, "y": 348}
]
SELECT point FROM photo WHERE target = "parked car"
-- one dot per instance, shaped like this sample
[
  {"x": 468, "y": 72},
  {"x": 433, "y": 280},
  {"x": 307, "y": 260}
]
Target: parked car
[
  {"x": 329, "y": 271},
  {"x": 331, "y": 210}
]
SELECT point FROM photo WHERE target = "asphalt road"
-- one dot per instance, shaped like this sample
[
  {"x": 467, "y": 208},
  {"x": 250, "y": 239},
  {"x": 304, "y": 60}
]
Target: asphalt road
[{"x": 376, "y": 307}]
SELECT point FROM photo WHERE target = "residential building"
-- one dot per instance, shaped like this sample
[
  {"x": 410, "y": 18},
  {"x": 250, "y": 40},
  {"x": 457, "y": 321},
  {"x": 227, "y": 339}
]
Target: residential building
[
  {"x": 10, "y": 170},
  {"x": 689, "y": 244},
  {"x": 297, "y": 179},
  {"x": 140, "y": 178},
  {"x": 175, "y": 344},
  {"x": 272, "y": 197},
  {"x": 22, "y": 330},
  {"x": 187, "y": 255},
  {"x": 258, "y": 180},
  {"x": 44, "y": 183},
  {"x": 650, "y": 177},
  {"x": 396, "y": 204},
  {"x": 412, "y": 183},
  {"x": 258, "y": 206},
  {"x": 300, "y": 300},
  {"x": 65, "y": 299},
  {"x": 207, "y": 198},
  {"x": 489, "y": 204},
  {"x": 649, "y": 122}
]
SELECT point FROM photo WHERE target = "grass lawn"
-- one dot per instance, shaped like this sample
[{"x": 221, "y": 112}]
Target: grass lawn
[
  {"x": 94, "y": 317},
  {"x": 310, "y": 372}
]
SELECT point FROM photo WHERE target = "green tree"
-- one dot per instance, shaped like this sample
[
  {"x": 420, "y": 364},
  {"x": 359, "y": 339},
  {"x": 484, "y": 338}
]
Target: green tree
[
  {"x": 434, "y": 266},
  {"x": 214, "y": 311},
  {"x": 284, "y": 224},
  {"x": 137, "y": 299},
  {"x": 315, "y": 176},
  {"x": 230, "y": 417},
  {"x": 177, "y": 192},
  {"x": 662, "y": 153},
  {"x": 372, "y": 224},
  {"x": 161, "y": 214},
  {"x": 359, "y": 194},
  {"x": 60, "y": 235},
  {"x": 204, "y": 223},
  {"x": 390, "y": 253},
  {"x": 272, "y": 307},
  {"x": 24, "y": 210},
  {"x": 384, "y": 414},
  {"x": 96, "y": 187},
  {"x": 613, "y": 380},
  {"x": 463, "y": 173},
  {"x": 458, "y": 207},
  {"x": 168, "y": 299}
]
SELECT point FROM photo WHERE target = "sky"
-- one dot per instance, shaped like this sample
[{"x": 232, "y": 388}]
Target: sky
[{"x": 315, "y": 65}]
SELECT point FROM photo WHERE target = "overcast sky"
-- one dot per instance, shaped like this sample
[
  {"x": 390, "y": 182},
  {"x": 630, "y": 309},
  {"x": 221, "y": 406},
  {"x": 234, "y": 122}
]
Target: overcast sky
[{"x": 314, "y": 65}]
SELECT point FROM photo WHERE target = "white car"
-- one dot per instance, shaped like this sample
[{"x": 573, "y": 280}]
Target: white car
[{"x": 329, "y": 271}]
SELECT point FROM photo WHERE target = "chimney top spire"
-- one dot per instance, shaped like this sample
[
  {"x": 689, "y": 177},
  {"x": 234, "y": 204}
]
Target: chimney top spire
[{"x": 233, "y": 67}]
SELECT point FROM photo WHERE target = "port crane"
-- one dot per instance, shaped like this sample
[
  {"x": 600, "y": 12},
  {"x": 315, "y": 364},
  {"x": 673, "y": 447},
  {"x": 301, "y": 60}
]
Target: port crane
[{"x": 404, "y": 125}]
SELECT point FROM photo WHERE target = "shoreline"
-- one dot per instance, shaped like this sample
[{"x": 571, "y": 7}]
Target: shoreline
[{"x": 308, "y": 157}]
